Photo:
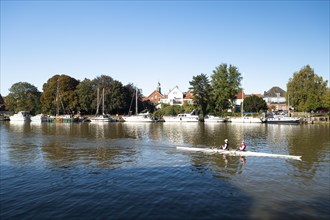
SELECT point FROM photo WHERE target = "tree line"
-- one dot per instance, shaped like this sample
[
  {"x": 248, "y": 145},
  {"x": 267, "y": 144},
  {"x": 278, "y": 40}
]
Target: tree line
[
  {"x": 306, "y": 91},
  {"x": 63, "y": 94}
]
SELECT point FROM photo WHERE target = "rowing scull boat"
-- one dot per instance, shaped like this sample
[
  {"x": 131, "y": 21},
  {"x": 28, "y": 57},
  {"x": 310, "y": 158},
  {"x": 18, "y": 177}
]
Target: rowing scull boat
[{"x": 238, "y": 153}]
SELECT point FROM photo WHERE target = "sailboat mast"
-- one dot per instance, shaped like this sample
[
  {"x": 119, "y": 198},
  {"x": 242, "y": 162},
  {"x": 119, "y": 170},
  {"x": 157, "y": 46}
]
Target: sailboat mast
[
  {"x": 242, "y": 110},
  {"x": 57, "y": 97},
  {"x": 97, "y": 101},
  {"x": 136, "y": 100},
  {"x": 103, "y": 101}
]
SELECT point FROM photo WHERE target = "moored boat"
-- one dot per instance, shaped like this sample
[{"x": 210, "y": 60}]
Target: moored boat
[
  {"x": 102, "y": 118},
  {"x": 187, "y": 117},
  {"x": 138, "y": 117},
  {"x": 21, "y": 116},
  {"x": 214, "y": 119},
  {"x": 65, "y": 119},
  {"x": 282, "y": 119},
  {"x": 142, "y": 117},
  {"x": 39, "y": 118},
  {"x": 246, "y": 119}
]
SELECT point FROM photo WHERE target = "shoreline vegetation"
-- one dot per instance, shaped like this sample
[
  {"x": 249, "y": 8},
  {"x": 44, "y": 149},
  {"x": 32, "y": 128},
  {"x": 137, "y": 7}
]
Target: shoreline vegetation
[{"x": 216, "y": 94}]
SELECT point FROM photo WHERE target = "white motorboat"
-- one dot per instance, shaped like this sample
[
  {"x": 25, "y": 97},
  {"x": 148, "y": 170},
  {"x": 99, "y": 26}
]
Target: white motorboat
[
  {"x": 282, "y": 119},
  {"x": 142, "y": 117},
  {"x": 246, "y": 119},
  {"x": 39, "y": 118},
  {"x": 21, "y": 116},
  {"x": 214, "y": 119},
  {"x": 187, "y": 117},
  {"x": 238, "y": 153}
]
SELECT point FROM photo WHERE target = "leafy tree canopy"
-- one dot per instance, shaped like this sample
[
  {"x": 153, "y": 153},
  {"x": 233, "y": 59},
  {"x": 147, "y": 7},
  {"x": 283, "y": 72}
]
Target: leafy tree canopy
[
  {"x": 225, "y": 82},
  {"x": 59, "y": 95},
  {"x": 87, "y": 96},
  {"x": 23, "y": 96},
  {"x": 254, "y": 104},
  {"x": 201, "y": 88},
  {"x": 305, "y": 90}
]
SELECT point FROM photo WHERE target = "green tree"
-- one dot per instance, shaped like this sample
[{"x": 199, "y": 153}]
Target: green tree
[
  {"x": 129, "y": 94},
  {"x": 87, "y": 96},
  {"x": 254, "y": 104},
  {"x": 2, "y": 103},
  {"x": 23, "y": 96},
  {"x": 306, "y": 90},
  {"x": 201, "y": 89},
  {"x": 59, "y": 94},
  {"x": 326, "y": 99},
  {"x": 116, "y": 97},
  {"x": 225, "y": 83},
  {"x": 105, "y": 82}
]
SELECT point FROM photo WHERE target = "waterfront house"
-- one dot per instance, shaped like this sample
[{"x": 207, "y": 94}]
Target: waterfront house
[
  {"x": 174, "y": 97},
  {"x": 155, "y": 96},
  {"x": 240, "y": 98},
  {"x": 275, "y": 98},
  {"x": 177, "y": 97}
]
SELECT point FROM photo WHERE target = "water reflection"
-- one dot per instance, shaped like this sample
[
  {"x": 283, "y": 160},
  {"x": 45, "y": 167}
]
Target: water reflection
[
  {"x": 130, "y": 167},
  {"x": 98, "y": 142}
]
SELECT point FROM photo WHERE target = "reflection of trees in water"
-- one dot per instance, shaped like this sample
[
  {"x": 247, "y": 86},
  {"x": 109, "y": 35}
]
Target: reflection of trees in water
[
  {"x": 313, "y": 144},
  {"x": 19, "y": 145},
  {"x": 105, "y": 156}
]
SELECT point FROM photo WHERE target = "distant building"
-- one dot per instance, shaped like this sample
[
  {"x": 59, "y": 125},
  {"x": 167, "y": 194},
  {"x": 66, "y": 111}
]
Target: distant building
[
  {"x": 188, "y": 98},
  {"x": 174, "y": 97},
  {"x": 240, "y": 97},
  {"x": 155, "y": 96},
  {"x": 275, "y": 98}
]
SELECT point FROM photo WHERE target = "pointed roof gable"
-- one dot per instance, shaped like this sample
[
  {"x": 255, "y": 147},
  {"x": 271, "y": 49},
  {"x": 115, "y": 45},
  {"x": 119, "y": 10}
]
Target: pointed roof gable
[
  {"x": 188, "y": 95},
  {"x": 274, "y": 91}
]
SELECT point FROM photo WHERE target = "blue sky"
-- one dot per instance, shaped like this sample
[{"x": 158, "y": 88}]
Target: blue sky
[{"x": 143, "y": 42}]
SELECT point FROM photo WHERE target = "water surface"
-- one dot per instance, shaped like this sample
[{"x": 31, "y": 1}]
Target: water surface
[{"x": 133, "y": 171}]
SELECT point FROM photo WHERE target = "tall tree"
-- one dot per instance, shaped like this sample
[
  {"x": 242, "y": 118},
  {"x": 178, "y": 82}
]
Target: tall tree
[
  {"x": 129, "y": 94},
  {"x": 87, "y": 96},
  {"x": 2, "y": 103},
  {"x": 225, "y": 82},
  {"x": 326, "y": 99},
  {"x": 23, "y": 96},
  {"x": 59, "y": 94},
  {"x": 306, "y": 90},
  {"x": 116, "y": 97},
  {"x": 254, "y": 104},
  {"x": 105, "y": 82},
  {"x": 201, "y": 89}
]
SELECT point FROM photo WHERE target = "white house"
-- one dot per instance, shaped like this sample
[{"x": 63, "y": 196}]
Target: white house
[
  {"x": 275, "y": 97},
  {"x": 176, "y": 97}
]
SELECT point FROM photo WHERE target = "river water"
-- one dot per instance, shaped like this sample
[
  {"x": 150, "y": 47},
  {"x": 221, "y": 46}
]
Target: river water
[{"x": 134, "y": 171}]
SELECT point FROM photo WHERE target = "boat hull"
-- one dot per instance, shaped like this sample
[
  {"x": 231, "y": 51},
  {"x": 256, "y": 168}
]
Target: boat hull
[
  {"x": 139, "y": 118},
  {"x": 102, "y": 118},
  {"x": 238, "y": 153},
  {"x": 246, "y": 120},
  {"x": 214, "y": 119},
  {"x": 283, "y": 121}
]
